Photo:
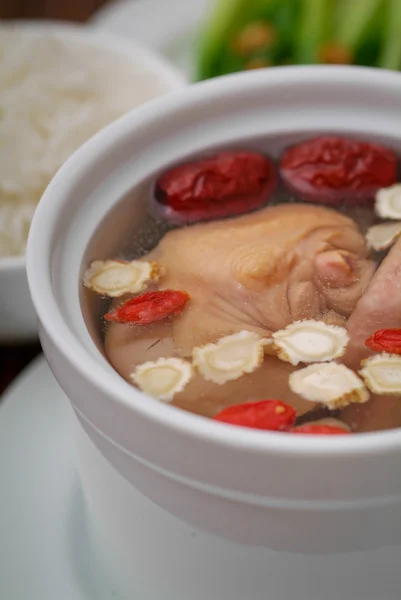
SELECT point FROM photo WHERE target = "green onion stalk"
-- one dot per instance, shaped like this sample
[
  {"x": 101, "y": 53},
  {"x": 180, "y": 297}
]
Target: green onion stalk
[{"x": 246, "y": 34}]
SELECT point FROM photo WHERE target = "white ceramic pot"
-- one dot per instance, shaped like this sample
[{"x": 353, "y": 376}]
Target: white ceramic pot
[
  {"x": 18, "y": 321},
  {"x": 293, "y": 493}
]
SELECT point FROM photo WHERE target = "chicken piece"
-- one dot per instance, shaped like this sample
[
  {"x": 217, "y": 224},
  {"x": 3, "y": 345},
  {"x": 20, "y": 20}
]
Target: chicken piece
[
  {"x": 259, "y": 272},
  {"x": 263, "y": 271},
  {"x": 379, "y": 308}
]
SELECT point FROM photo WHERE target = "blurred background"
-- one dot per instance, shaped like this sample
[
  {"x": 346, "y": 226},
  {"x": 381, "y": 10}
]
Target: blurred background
[{"x": 71, "y": 10}]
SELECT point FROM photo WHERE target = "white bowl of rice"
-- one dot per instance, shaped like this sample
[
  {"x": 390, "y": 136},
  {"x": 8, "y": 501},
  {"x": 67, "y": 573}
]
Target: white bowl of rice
[{"x": 59, "y": 85}]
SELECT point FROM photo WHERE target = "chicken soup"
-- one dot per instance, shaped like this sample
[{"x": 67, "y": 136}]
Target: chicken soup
[{"x": 260, "y": 286}]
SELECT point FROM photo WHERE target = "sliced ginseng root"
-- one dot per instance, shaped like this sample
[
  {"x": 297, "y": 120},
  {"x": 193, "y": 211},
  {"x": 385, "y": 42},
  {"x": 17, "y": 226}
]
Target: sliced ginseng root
[
  {"x": 382, "y": 374},
  {"x": 114, "y": 278},
  {"x": 388, "y": 202},
  {"x": 310, "y": 341},
  {"x": 149, "y": 308},
  {"x": 230, "y": 358},
  {"x": 330, "y": 384},
  {"x": 163, "y": 378},
  {"x": 383, "y": 236}
]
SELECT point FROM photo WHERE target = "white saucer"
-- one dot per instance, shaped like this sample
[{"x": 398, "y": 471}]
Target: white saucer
[
  {"x": 172, "y": 33},
  {"x": 45, "y": 546},
  {"x": 46, "y": 550}
]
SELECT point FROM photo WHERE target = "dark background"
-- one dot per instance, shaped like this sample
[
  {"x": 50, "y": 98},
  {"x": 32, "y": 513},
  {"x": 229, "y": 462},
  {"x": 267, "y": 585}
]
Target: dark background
[
  {"x": 72, "y": 10},
  {"x": 14, "y": 359}
]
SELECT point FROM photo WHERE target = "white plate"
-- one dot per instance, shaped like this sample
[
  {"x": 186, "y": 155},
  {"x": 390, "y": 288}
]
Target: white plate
[
  {"x": 46, "y": 552},
  {"x": 168, "y": 26},
  {"x": 45, "y": 545}
]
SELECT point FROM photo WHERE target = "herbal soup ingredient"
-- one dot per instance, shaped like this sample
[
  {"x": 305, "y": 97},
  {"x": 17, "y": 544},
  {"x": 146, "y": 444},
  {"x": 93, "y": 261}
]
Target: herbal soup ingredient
[
  {"x": 255, "y": 274},
  {"x": 54, "y": 95},
  {"x": 272, "y": 415},
  {"x": 289, "y": 284},
  {"x": 336, "y": 169},
  {"x": 330, "y": 421},
  {"x": 149, "y": 308},
  {"x": 248, "y": 34},
  {"x": 382, "y": 236},
  {"x": 385, "y": 340},
  {"x": 114, "y": 278},
  {"x": 388, "y": 202},
  {"x": 330, "y": 384},
  {"x": 163, "y": 378},
  {"x": 227, "y": 184},
  {"x": 230, "y": 358},
  {"x": 382, "y": 374},
  {"x": 316, "y": 429},
  {"x": 310, "y": 341}
]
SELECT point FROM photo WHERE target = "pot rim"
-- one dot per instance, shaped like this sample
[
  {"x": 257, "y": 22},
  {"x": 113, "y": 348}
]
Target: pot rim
[{"x": 41, "y": 246}]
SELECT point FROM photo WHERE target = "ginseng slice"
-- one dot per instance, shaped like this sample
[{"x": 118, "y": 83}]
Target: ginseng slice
[
  {"x": 114, "y": 278},
  {"x": 330, "y": 384},
  {"x": 163, "y": 378},
  {"x": 230, "y": 358},
  {"x": 383, "y": 236},
  {"x": 382, "y": 374},
  {"x": 310, "y": 341},
  {"x": 388, "y": 202}
]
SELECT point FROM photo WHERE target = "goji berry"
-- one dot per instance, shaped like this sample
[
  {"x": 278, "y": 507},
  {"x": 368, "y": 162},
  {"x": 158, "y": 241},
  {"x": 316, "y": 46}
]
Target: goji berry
[
  {"x": 272, "y": 415},
  {"x": 227, "y": 184},
  {"x": 385, "y": 340},
  {"x": 315, "y": 429},
  {"x": 336, "y": 169},
  {"x": 150, "y": 307}
]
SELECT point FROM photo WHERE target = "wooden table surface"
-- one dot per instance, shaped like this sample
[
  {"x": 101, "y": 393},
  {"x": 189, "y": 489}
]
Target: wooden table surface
[{"x": 14, "y": 359}]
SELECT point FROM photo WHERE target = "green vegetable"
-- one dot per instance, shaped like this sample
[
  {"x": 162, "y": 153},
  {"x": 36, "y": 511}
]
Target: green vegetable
[
  {"x": 225, "y": 17},
  {"x": 244, "y": 34},
  {"x": 314, "y": 29},
  {"x": 356, "y": 20},
  {"x": 390, "y": 57}
]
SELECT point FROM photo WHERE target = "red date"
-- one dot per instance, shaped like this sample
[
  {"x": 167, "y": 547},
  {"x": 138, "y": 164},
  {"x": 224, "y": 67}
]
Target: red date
[
  {"x": 335, "y": 169},
  {"x": 227, "y": 184}
]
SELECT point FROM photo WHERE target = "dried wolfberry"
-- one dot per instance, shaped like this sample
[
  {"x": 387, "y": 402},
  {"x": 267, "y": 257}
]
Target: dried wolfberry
[
  {"x": 150, "y": 307},
  {"x": 336, "y": 169},
  {"x": 227, "y": 184},
  {"x": 385, "y": 340},
  {"x": 315, "y": 429},
  {"x": 272, "y": 415}
]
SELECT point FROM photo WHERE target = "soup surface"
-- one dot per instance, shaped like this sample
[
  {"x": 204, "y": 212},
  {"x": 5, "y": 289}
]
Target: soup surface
[{"x": 260, "y": 288}]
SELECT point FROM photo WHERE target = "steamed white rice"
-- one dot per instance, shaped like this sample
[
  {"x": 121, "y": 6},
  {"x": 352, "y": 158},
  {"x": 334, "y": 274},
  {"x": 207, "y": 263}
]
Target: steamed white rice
[{"x": 54, "y": 95}]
